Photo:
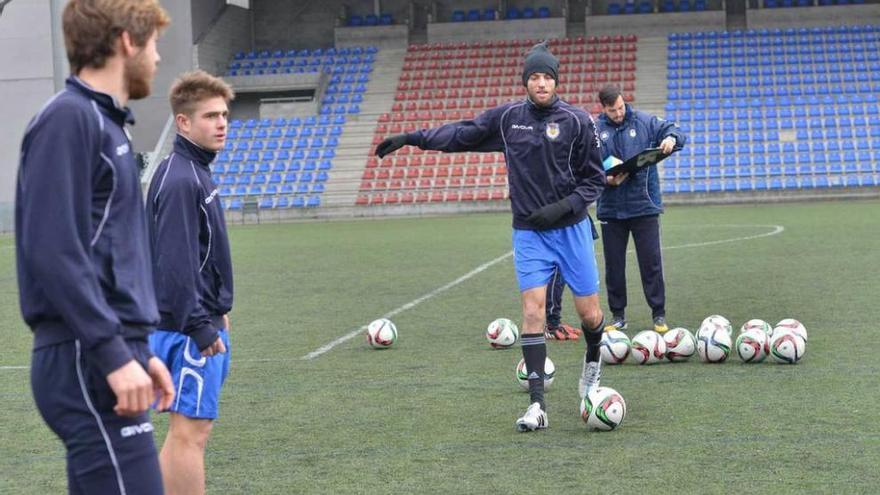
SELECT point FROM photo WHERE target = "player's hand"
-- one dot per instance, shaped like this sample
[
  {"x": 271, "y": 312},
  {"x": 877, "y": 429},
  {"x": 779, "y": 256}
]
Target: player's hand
[
  {"x": 226, "y": 322},
  {"x": 133, "y": 388},
  {"x": 547, "y": 215},
  {"x": 163, "y": 388},
  {"x": 667, "y": 145},
  {"x": 218, "y": 347},
  {"x": 616, "y": 180},
  {"x": 390, "y": 145}
]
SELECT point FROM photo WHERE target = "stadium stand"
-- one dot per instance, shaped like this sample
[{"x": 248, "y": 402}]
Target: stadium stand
[
  {"x": 431, "y": 92},
  {"x": 774, "y": 109},
  {"x": 354, "y": 61},
  {"x": 285, "y": 162}
]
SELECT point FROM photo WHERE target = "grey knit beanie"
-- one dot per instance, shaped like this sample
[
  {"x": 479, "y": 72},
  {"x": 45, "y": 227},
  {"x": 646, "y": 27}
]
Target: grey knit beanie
[{"x": 539, "y": 59}]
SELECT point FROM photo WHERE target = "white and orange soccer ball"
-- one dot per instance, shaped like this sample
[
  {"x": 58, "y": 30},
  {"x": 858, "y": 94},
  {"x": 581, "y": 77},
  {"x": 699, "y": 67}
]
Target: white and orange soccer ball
[
  {"x": 648, "y": 347},
  {"x": 753, "y": 345},
  {"x": 786, "y": 346},
  {"x": 522, "y": 373},
  {"x": 713, "y": 341},
  {"x": 381, "y": 333},
  {"x": 615, "y": 347},
  {"x": 502, "y": 333},
  {"x": 603, "y": 409},
  {"x": 757, "y": 324},
  {"x": 795, "y": 326},
  {"x": 680, "y": 344}
]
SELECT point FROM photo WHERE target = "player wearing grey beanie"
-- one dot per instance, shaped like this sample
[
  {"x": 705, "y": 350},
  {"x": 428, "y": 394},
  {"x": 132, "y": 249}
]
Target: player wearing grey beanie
[{"x": 539, "y": 59}]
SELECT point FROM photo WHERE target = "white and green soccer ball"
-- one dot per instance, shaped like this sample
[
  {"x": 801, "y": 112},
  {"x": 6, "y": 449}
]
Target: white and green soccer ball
[
  {"x": 756, "y": 324},
  {"x": 614, "y": 347},
  {"x": 795, "y": 326},
  {"x": 603, "y": 409},
  {"x": 786, "y": 346},
  {"x": 753, "y": 345},
  {"x": 522, "y": 373},
  {"x": 502, "y": 333},
  {"x": 381, "y": 333},
  {"x": 680, "y": 344},
  {"x": 648, "y": 347},
  {"x": 713, "y": 341},
  {"x": 721, "y": 321}
]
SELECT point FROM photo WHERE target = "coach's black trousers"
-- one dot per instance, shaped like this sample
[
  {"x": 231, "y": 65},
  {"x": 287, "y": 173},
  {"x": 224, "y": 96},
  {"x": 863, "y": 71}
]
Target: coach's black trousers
[{"x": 646, "y": 236}]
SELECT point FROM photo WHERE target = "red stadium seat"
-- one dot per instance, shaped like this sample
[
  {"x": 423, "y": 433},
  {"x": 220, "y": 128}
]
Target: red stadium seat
[{"x": 362, "y": 199}]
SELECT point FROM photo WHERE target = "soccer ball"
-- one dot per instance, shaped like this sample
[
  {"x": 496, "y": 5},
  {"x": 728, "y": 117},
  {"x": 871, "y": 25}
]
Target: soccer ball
[
  {"x": 603, "y": 409},
  {"x": 502, "y": 333},
  {"x": 381, "y": 334},
  {"x": 614, "y": 347},
  {"x": 753, "y": 345},
  {"x": 713, "y": 342},
  {"x": 721, "y": 321},
  {"x": 793, "y": 325},
  {"x": 758, "y": 325},
  {"x": 522, "y": 374},
  {"x": 786, "y": 346},
  {"x": 680, "y": 344},
  {"x": 648, "y": 347}
]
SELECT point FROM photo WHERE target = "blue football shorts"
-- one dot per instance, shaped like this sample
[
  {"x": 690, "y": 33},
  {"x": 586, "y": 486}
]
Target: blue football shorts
[
  {"x": 536, "y": 254},
  {"x": 197, "y": 379}
]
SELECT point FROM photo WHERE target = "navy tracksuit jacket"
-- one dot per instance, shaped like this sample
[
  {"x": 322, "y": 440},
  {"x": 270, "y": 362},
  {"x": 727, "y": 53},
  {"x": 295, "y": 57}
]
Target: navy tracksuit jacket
[
  {"x": 85, "y": 285},
  {"x": 634, "y": 207},
  {"x": 191, "y": 260},
  {"x": 551, "y": 152}
]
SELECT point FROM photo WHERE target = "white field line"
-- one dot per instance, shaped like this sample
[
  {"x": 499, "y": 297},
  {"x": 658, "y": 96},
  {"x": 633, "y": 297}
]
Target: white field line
[
  {"x": 357, "y": 331},
  {"x": 777, "y": 229}
]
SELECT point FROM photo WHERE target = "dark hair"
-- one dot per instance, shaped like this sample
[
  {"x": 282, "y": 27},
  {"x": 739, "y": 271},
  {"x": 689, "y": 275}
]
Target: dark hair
[
  {"x": 608, "y": 94},
  {"x": 91, "y": 28},
  {"x": 193, "y": 87}
]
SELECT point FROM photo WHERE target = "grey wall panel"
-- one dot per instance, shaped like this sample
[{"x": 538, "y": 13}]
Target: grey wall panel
[
  {"x": 25, "y": 83},
  {"x": 204, "y": 13},
  {"x": 292, "y": 23},
  {"x": 231, "y": 34},
  {"x": 21, "y": 101},
  {"x": 26, "y": 58}
]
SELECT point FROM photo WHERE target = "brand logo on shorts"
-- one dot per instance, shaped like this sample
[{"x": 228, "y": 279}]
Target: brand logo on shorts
[
  {"x": 552, "y": 131},
  {"x": 130, "y": 431}
]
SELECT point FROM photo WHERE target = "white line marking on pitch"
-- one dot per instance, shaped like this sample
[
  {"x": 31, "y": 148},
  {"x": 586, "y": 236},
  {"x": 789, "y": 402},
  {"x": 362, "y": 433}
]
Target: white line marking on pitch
[
  {"x": 777, "y": 229},
  {"x": 415, "y": 302},
  {"x": 352, "y": 334}
]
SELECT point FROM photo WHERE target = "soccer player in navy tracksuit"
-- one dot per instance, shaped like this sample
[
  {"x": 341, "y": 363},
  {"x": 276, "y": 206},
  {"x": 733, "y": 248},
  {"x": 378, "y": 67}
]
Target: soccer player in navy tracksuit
[
  {"x": 632, "y": 204},
  {"x": 554, "y": 171},
  {"x": 85, "y": 284},
  {"x": 193, "y": 273}
]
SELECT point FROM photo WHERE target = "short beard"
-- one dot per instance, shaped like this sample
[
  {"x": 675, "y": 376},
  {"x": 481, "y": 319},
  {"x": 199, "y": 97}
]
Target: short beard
[{"x": 138, "y": 79}]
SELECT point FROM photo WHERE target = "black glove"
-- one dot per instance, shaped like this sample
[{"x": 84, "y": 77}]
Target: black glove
[
  {"x": 390, "y": 145},
  {"x": 548, "y": 215}
]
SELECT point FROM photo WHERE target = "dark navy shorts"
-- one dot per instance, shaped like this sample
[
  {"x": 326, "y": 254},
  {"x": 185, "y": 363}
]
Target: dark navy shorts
[{"x": 106, "y": 453}]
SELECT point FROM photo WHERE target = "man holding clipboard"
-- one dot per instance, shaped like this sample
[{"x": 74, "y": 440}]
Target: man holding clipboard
[{"x": 633, "y": 142}]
